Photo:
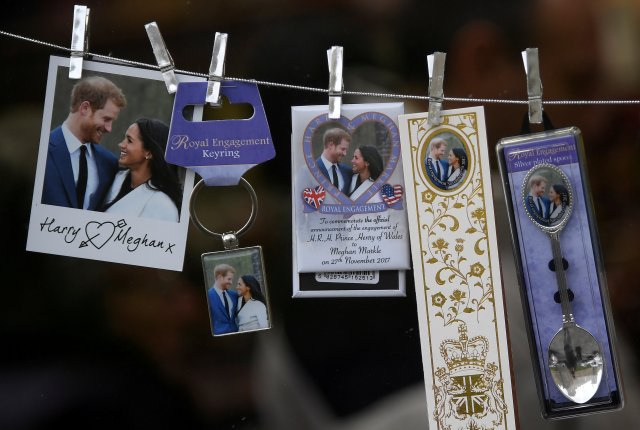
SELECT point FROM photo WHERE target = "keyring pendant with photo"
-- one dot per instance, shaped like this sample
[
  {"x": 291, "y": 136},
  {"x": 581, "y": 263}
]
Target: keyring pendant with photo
[
  {"x": 234, "y": 279},
  {"x": 221, "y": 141}
]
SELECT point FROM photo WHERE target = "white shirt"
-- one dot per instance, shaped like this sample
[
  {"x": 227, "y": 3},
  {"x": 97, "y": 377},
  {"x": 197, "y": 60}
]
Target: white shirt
[
  {"x": 327, "y": 165},
  {"x": 73, "y": 146}
]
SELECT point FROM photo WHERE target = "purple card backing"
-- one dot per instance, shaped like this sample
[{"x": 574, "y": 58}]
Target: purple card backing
[
  {"x": 535, "y": 249},
  {"x": 222, "y": 150}
]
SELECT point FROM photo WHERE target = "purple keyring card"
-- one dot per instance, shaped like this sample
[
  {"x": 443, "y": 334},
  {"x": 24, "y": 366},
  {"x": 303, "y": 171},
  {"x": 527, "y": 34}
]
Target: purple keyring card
[{"x": 220, "y": 151}]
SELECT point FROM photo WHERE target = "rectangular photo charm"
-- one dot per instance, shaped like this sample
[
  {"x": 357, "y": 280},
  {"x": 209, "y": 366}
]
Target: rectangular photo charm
[
  {"x": 349, "y": 212},
  {"x": 103, "y": 190},
  {"x": 236, "y": 290},
  {"x": 457, "y": 271}
]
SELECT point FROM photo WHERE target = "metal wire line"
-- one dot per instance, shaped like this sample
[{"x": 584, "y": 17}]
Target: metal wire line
[{"x": 326, "y": 90}]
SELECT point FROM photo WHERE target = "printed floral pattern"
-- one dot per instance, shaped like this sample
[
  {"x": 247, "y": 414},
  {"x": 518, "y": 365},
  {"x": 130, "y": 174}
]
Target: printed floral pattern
[{"x": 458, "y": 284}]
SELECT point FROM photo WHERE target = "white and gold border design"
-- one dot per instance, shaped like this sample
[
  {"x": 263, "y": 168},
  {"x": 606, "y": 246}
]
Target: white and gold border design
[{"x": 457, "y": 277}]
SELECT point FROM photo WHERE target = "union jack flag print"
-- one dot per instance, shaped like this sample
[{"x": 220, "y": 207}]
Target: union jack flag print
[
  {"x": 314, "y": 196},
  {"x": 391, "y": 194},
  {"x": 469, "y": 395}
]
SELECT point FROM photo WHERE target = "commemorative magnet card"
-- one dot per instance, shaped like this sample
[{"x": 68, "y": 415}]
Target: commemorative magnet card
[
  {"x": 103, "y": 189},
  {"x": 561, "y": 272},
  {"x": 350, "y": 235}
]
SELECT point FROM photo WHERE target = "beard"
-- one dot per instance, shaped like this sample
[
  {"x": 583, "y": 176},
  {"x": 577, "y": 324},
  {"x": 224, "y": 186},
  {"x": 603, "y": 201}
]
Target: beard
[{"x": 91, "y": 132}]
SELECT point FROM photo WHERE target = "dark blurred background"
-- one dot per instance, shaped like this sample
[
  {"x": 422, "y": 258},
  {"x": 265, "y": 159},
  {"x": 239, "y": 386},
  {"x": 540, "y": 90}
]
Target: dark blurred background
[{"x": 101, "y": 345}]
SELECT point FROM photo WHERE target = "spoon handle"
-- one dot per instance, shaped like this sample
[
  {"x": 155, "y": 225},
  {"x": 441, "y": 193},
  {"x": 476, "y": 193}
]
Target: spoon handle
[{"x": 567, "y": 312}]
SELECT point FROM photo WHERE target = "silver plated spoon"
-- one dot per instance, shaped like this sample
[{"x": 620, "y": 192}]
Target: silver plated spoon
[{"x": 574, "y": 355}]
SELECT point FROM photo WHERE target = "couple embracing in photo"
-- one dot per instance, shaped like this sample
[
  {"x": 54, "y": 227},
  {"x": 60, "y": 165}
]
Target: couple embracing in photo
[
  {"x": 366, "y": 165},
  {"x": 446, "y": 172},
  {"x": 82, "y": 174},
  {"x": 241, "y": 310}
]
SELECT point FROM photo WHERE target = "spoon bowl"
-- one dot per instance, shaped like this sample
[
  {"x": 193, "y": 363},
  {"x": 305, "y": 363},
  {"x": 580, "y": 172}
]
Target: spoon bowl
[{"x": 575, "y": 363}]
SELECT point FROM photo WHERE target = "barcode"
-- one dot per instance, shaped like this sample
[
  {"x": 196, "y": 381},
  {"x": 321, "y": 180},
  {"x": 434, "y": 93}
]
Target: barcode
[{"x": 361, "y": 277}]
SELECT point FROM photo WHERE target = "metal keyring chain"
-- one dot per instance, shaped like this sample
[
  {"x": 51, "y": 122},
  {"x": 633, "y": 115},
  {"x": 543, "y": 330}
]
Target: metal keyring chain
[{"x": 229, "y": 239}]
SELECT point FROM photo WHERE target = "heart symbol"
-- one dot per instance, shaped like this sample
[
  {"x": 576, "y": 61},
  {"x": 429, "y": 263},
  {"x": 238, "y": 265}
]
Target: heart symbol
[
  {"x": 391, "y": 194},
  {"x": 98, "y": 234},
  {"x": 386, "y": 135},
  {"x": 314, "y": 196}
]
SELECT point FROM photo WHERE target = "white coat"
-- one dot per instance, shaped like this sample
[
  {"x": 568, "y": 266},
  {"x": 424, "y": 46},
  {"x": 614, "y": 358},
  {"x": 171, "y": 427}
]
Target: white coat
[
  {"x": 252, "y": 316},
  {"x": 143, "y": 201}
]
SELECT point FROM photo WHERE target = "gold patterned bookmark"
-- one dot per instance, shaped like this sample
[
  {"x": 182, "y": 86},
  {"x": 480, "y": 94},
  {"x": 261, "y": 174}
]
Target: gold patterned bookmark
[{"x": 456, "y": 271}]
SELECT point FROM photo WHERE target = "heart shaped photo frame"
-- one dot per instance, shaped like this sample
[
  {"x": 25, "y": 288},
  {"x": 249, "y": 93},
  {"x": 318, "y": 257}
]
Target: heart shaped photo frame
[{"x": 352, "y": 159}]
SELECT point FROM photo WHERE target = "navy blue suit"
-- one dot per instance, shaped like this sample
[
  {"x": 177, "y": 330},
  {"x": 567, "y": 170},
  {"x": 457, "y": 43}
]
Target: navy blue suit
[
  {"x": 344, "y": 170},
  {"x": 439, "y": 182},
  {"x": 59, "y": 187},
  {"x": 222, "y": 322},
  {"x": 534, "y": 211}
]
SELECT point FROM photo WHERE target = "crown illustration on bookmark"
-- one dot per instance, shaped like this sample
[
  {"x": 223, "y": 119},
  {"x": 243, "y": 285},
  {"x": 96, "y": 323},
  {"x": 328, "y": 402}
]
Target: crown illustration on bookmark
[{"x": 465, "y": 354}]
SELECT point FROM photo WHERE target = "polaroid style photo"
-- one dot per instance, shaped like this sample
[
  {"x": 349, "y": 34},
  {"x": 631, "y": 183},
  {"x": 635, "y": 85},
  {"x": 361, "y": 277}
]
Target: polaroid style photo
[
  {"x": 236, "y": 291},
  {"x": 103, "y": 190}
]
